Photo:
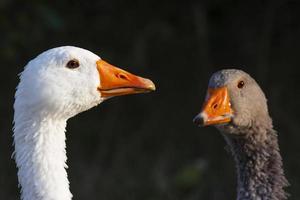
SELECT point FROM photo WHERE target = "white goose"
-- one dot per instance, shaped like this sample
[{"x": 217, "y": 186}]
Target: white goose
[{"x": 55, "y": 86}]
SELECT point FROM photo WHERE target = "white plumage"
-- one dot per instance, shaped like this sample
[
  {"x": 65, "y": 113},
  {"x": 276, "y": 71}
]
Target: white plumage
[{"x": 49, "y": 93}]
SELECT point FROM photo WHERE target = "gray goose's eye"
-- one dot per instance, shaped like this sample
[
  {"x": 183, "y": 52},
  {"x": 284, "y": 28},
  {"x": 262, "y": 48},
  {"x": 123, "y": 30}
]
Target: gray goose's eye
[
  {"x": 72, "y": 64},
  {"x": 240, "y": 84}
]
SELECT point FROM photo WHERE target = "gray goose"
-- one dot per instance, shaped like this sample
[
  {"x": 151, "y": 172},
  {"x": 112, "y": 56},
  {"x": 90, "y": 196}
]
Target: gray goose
[{"x": 237, "y": 107}]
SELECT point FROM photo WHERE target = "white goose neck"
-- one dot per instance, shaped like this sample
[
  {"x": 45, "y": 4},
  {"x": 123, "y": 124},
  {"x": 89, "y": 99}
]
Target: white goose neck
[{"x": 41, "y": 157}]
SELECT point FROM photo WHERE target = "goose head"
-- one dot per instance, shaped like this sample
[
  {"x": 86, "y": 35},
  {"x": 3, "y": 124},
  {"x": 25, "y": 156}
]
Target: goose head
[
  {"x": 233, "y": 101},
  {"x": 67, "y": 80}
]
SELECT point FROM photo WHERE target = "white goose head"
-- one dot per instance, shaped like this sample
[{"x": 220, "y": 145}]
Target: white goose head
[{"x": 68, "y": 80}]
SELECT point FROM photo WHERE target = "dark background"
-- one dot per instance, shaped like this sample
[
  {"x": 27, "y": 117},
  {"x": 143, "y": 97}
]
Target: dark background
[{"x": 146, "y": 146}]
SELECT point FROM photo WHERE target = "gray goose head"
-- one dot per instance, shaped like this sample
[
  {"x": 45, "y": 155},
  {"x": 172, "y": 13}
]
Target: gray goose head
[{"x": 234, "y": 101}]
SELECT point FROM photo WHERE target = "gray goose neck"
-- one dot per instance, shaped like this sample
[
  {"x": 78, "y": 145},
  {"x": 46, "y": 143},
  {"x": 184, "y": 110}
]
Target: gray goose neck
[{"x": 259, "y": 165}]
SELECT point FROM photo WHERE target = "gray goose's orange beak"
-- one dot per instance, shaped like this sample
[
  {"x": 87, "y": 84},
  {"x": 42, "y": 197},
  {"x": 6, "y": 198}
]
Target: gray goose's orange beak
[
  {"x": 216, "y": 108},
  {"x": 116, "y": 82}
]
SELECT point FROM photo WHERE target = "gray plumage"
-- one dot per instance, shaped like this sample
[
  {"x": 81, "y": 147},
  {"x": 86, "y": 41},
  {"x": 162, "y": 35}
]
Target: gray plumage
[{"x": 251, "y": 138}]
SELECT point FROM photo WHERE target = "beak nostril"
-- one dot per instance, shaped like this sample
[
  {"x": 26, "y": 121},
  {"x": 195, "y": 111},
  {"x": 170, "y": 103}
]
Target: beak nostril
[
  {"x": 215, "y": 106},
  {"x": 122, "y": 76}
]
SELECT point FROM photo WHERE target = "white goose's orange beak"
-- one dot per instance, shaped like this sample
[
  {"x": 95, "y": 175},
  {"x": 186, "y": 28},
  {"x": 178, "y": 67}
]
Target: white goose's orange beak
[
  {"x": 116, "y": 82},
  {"x": 216, "y": 108}
]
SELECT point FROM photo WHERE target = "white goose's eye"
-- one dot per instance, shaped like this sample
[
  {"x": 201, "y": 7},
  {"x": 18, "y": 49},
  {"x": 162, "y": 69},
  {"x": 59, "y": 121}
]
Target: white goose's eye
[{"x": 72, "y": 64}]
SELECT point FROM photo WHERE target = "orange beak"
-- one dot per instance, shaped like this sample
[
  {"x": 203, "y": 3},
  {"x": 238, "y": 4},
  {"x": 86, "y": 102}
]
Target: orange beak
[
  {"x": 216, "y": 108},
  {"x": 116, "y": 82}
]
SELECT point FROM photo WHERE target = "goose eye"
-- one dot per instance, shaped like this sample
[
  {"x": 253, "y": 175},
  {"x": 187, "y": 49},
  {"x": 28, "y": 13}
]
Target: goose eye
[
  {"x": 72, "y": 64},
  {"x": 240, "y": 84}
]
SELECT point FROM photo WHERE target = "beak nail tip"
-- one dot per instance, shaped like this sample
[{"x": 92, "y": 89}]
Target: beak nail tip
[{"x": 198, "y": 120}]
